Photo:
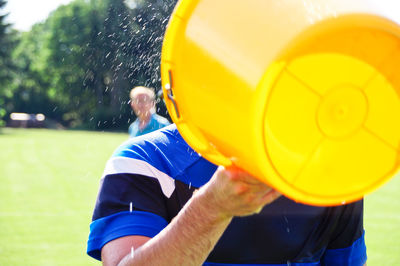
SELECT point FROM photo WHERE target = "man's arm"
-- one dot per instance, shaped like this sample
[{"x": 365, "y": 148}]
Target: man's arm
[
  {"x": 193, "y": 233},
  {"x": 114, "y": 251}
]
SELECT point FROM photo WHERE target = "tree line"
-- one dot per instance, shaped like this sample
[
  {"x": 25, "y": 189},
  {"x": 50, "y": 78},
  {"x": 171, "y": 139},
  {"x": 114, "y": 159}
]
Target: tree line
[{"x": 78, "y": 66}]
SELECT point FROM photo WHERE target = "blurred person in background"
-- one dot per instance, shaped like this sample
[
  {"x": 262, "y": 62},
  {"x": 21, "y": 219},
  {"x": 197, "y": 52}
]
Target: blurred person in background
[{"x": 142, "y": 101}]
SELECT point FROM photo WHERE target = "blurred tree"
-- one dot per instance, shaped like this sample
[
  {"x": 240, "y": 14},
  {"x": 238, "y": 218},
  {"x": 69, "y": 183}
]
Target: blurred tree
[
  {"x": 70, "y": 33},
  {"x": 115, "y": 42},
  {"x": 86, "y": 62},
  {"x": 8, "y": 40},
  {"x": 80, "y": 64},
  {"x": 151, "y": 19},
  {"x": 30, "y": 85}
]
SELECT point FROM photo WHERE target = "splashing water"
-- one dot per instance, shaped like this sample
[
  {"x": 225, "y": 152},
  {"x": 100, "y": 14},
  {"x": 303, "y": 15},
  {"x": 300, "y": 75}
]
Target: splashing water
[{"x": 287, "y": 223}]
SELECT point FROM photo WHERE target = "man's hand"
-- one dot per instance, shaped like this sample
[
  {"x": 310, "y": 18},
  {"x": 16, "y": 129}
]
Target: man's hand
[
  {"x": 193, "y": 233},
  {"x": 234, "y": 192}
]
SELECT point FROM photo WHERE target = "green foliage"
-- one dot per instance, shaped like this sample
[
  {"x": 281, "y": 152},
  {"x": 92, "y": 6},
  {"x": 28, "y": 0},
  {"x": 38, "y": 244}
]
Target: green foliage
[
  {"x": 80, "y": 64},
  {"x": 30, "y": 83},
  {"x": 66, "y": 61},
  {"x": 8, "y": 41}
]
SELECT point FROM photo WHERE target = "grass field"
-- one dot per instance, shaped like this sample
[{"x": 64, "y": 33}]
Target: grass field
[
  {"x": 48, "y": 186},
  {"x": 49, "y": 181}
]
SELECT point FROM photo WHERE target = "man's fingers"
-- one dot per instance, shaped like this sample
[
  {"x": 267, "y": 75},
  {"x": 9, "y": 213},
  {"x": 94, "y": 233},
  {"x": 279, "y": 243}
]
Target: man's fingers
[
  {"x": 237, "y": 174},
  {"x": 270, "y": 196}
]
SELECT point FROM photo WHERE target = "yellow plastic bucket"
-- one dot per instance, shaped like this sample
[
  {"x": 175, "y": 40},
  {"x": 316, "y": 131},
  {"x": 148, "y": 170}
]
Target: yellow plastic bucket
[{"x": 302, "y": 94}]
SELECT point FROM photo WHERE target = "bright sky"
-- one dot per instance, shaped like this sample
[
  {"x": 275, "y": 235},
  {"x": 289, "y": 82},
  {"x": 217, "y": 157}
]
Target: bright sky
[{"x": 24, "y": 13}]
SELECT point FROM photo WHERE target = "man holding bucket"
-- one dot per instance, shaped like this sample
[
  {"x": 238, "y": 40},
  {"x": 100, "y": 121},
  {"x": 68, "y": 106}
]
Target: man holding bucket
[{"x": 161, "y": 203}]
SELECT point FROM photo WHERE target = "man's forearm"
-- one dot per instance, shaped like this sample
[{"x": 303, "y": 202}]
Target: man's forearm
[{"x": 187, "y": 240}]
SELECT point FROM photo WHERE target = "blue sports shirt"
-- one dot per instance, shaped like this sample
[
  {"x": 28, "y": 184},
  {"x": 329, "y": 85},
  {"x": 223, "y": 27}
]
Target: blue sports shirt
[
  {"x": 148, "y": 179},
  {"x": 156, "y": 122}
]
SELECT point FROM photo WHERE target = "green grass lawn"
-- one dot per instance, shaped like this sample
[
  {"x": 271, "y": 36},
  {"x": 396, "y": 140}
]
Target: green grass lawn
[
  {"x": 48, "y": 185},
  {"x": 382, "y": 224}
]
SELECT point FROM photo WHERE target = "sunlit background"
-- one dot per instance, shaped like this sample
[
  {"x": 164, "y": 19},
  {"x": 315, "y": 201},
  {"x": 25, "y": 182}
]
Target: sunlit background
[
  {"x": 66, "y": 69},
  {"x": 75, "y": 61}
]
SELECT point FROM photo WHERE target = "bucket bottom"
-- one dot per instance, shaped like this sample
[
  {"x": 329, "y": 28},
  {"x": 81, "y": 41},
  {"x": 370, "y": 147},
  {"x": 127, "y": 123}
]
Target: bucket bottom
[{"x": 332, "y": 116}]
